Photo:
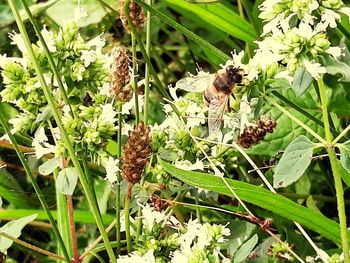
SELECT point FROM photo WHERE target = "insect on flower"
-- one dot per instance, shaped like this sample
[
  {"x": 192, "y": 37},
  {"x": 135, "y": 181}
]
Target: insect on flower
[{"x": 217, "y": 89}]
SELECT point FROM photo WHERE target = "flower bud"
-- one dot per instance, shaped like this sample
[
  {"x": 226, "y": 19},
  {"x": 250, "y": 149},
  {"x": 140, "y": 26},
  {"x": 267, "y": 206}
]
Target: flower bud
[
  {"x": 332, "y": 4},
  {"x": 137, "y": 150},
  {"x": 136, "y": 14}
]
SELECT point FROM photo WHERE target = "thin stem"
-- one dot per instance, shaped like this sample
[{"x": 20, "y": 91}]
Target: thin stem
[
  {"x": 98, "y": 240},
  {"x": 198, "y": 210},
  {"x": 127, "y": 216},
  {"x": 134, "y": 78},
  {"x": 53, "y": 107},
  {"x": 147, "y": 72},
  {"x": 336, "y": 172},
  {"x": 341, "y": 135},
  {"x": 72, "y": 229},
  {"x": 296, "y": 120},
  {"x": 32, "y": 247},
  {"x": 35, "y": 184},
  {"x": 117, "y": 195}
]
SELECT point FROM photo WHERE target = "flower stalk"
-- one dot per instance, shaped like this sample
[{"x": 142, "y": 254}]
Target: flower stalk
[{"x": 117, "y": 197}]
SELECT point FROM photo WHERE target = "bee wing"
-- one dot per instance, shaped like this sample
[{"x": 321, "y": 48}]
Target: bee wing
[
  {"x": 216, "y": 112},
  {"x": 194, "y": 83}
]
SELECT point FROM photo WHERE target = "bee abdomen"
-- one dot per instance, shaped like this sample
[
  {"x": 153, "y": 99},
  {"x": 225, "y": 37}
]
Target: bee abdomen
[
  {"x": 208, "y": 97},
  {"x": 223, "y": 84}
]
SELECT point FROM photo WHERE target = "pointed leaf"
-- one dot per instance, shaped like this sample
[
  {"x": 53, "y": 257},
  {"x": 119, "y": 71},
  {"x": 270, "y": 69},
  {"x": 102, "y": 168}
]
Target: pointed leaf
[
  {"x": 13, "y": 228},
  {"x": 302, "y": 80},
  {"x": 260, "y": 197},
  {"x": 49, "y": 166},
  {"x": 244, "y": 251},
  {"x": 295, "y": 160},
  {"x": 67, "y": 180}
]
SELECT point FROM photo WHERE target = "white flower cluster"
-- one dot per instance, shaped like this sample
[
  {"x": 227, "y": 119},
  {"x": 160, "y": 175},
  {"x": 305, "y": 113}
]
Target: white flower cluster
[{"x": 193, "y": 242}]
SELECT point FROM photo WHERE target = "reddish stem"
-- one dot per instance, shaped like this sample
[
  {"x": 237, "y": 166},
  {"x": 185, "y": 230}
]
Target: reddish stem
[{"x": 76, "y": 258}]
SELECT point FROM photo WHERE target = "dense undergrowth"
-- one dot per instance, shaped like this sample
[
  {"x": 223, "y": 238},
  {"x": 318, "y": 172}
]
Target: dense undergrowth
[{"x": 174, "y": 131}]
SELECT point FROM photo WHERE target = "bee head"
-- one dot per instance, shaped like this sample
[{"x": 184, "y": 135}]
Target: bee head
[{"x": 235, "y": 73}]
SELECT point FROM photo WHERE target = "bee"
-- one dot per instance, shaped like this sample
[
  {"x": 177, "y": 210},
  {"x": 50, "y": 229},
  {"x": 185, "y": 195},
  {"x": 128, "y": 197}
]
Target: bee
[{"x": 217, "y": 89}]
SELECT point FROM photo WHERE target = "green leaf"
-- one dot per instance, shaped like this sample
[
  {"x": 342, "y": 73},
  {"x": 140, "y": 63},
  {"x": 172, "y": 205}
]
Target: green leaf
[
  {"x": 38, "y": 9},
  {"x": 338, "y": 66},
  {"x": 6, "y": 15},
  {"x": 64, "y": 10},
  {"x": 295, "y": 160},
  {"x": 287, "y": 130},
  {"x": 67, "y": 180},
  {"x": 219, "y": 16},
  {"x": 44, "y": 115},
  {"x": 344, "y": 149},
  {"x": 13, "y": 228},
  {"x": 260, "y": 197},
  {"x": 240, "y": 231},
  {"x": 202, "y": 1},
  {"x": 302, "y": 80},
  {"x": 49, "y": 166},
  {"x": 244, "y": 251}
]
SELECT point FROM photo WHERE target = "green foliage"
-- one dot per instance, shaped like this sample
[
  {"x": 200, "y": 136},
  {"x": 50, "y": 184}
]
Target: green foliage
[{"x": 295, "y": 160}]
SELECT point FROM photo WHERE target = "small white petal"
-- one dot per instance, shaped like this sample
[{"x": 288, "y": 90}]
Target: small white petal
[
  {"x": 112, "y": 168},
  {"x": 315, "y": 69}
]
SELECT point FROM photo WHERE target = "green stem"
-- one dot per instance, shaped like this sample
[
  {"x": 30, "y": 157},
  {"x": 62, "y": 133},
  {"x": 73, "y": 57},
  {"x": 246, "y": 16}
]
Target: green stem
[
  {"x": 34, "y": 183},
  {"x": 296, "y": 120},
  {"x": 134, "y": 78},
  {"x": 117, "y": 197},
  {"x": 341, "y": 135},
  {"x": 198, "y": 210},
  {"x": 147, "y": 72},
  {"x": 52, "y": 104},
  {"x": 336, "y": 172},
  {"x": 48, "y": 55},
  {"x": 127, "y": 216}
]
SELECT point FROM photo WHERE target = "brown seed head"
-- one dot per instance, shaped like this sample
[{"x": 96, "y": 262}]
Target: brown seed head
[
  {"x": 137, "y": 150},
  {"x": 120, "y": 76},
  {"x": 136, "y": 14},
  {"x": 253, "y": 134}
]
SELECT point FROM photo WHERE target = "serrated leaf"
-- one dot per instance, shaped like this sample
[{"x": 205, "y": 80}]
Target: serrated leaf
[
  {"x": 295, "y": 160},
  {"x": 260, "y": 197},
  {"x": 344, "y": 149},
  {"x": 14, "y": 229},
  {"x": 67, "y": 180},
  {"x": 49, "y": 166},
  {"x": 302, "y": 80},
  {"x": 244, "y": 251}
]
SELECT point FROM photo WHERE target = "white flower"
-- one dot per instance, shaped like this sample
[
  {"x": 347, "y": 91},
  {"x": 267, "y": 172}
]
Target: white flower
[
  {"x": 329, "y": 18},
  {"x": 87, "y": 56},
  {"x": 49, "y": 39},
  {"x": 108, "y": 114},
  {"x": 97, "y": 42},
  {"x": 112, "y": 168},
  {"x": 128, "y": 106},
  {"x": 150, "y": 217},
  {"x": 236, "y": 60},
  {"x": 79, "y": 13},
  {"x": 179, "y": 257},
  {"x": 315, "y": 69},
  {"x": 187, "y": 165},
  {"x": 136, "y": 258},
  {"x": 18, "y": 41},
  {"x": 41, "y": 145},
  {"x": 335, "y": 51}
]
